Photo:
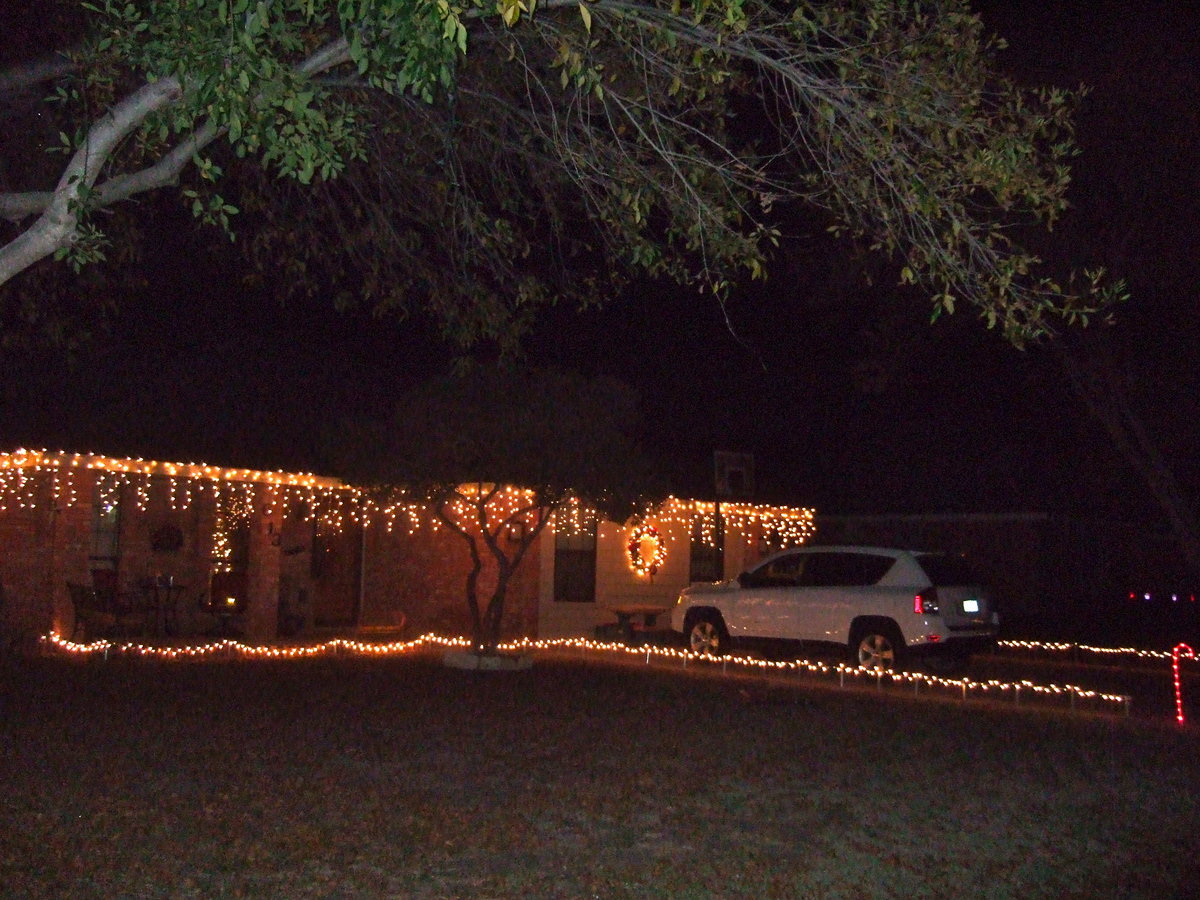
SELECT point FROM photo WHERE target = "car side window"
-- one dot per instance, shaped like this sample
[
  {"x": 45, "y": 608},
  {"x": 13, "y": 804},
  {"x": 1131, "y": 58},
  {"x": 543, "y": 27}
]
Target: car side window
[
  {"x": 844, "y": 569},
  {"x": 782, "y": 572}
]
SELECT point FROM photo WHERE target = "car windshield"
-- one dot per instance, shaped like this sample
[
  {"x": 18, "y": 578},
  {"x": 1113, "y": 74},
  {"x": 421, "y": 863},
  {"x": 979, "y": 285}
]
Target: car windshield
[{"x": 944, "y": 569}]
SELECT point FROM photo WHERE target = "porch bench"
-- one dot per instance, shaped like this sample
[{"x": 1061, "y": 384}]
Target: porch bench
[{"x": 636, "y": 623}]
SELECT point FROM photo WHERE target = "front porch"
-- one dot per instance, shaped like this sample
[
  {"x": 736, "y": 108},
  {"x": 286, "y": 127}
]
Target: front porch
[{"x": 92, "y": 546}]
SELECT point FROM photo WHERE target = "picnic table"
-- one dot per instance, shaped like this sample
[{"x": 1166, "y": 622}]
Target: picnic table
[{"x": 635, "y": 619}]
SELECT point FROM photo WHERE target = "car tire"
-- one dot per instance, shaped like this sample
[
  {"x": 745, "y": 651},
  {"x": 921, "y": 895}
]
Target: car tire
[
  {"x": 706, "y": 635},
  {"x": 875, "y": 647}
]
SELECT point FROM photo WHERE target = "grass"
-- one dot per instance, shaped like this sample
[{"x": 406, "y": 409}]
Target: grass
[{"x": 398, "y": 777}]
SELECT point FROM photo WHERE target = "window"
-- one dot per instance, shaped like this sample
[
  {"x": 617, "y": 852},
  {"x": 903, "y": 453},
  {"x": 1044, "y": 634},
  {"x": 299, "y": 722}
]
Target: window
[
  {"x": 707, "y": 561},
  {"x": 947, "y": 570},
  {"x": 844, "y": 569},
  {"x": 575, "y": 565},
  {"x": 782, "y": 572}
]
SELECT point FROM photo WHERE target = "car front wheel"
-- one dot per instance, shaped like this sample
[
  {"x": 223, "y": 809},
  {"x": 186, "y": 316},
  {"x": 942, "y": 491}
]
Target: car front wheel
[
  {"x": 874, "y": 649},
  {"x": 707, "y": 636}
]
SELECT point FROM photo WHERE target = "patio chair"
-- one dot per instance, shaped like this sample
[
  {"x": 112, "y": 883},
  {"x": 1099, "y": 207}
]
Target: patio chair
[
  {"x": 91, "y": 619},
  {"x": 226, "y": 618},
  {"x": 98, "y": 614}
]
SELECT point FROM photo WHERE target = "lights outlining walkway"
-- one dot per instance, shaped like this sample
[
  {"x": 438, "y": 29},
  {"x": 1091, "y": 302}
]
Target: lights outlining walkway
[
  {"x": 229, "y": 648},
  {"x": 1052, "y": 647},
  {"x": 966, "y": 687}
]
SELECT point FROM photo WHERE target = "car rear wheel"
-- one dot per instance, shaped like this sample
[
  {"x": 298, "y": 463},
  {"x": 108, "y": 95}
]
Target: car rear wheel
[
  {"x": 874, "y": 648},
  {"x": 707, "y": 636}
]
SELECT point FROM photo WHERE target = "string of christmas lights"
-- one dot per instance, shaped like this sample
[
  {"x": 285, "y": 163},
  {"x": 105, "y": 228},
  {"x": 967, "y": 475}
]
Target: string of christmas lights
[
  {"x": 40, "y": 460},
  {"x": 332, "y": 503},
  {"x": 645, "y": 560},
  {"x": 1053, "y": 647},
  {"x": 20, "y": 485},
  {"x": 1180, "y": 650},
  {"x": 783, "y": 526},
  {"x": 965, "y": 687}
]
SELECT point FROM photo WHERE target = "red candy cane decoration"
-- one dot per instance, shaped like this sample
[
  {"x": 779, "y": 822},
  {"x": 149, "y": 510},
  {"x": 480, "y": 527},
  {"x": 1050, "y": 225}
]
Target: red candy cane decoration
[{"x": 1175, "y": 654}]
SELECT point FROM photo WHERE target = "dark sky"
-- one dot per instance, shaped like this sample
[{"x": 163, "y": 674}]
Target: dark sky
[{"x": 848, "y": 400}]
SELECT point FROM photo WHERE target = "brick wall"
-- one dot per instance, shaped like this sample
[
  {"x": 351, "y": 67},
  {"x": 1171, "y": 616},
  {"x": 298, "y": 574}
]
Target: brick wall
[
  {"x": 420, "y": 579},
  {"x": 46, "y": 541},
  {"x": 43, "y": 545},
  {"x": 25, "y": 558},
  {"x": 335, "y": 565}
]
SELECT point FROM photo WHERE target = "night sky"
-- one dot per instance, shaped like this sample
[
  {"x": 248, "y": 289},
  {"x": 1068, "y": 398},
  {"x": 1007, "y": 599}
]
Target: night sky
[{"x": 849, "y": 400}]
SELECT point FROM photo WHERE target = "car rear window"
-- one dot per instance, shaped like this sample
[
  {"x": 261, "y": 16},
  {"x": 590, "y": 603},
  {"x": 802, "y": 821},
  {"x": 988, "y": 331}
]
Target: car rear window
[
  {"x": 844, "y": 569},
  {"x": 946, "y": 569}
]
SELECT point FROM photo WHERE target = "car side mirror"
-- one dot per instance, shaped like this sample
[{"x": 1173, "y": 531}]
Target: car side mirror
[{"x": 744, "y": 579}]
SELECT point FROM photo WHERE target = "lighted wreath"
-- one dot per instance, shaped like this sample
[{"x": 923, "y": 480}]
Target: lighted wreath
[{"x": 645, "y": 564}]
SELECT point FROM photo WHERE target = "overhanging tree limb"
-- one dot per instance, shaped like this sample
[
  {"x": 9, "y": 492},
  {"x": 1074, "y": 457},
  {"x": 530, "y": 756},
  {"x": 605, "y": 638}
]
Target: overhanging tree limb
[
  {"x": 62, "y": 208},
  {"x": 58, "y": 222},
  {"x": 885, "y": 115}
]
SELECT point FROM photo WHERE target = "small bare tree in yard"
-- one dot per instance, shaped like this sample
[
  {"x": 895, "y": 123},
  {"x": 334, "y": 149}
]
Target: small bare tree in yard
[
  {"x": 478, "y": 161},
  {"x": 496, "y": 454}
]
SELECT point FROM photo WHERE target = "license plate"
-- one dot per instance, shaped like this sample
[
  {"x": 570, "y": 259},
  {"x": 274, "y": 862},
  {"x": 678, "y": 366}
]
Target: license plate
[{"x": 971, "y": 606}]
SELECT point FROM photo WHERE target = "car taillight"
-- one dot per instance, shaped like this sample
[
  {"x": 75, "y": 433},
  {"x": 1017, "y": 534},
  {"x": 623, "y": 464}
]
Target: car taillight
[{"x": 926, "y": 603}]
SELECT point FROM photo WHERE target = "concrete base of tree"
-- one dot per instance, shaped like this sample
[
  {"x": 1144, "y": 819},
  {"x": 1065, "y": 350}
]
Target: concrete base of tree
[{"x": 487, "y": 662}]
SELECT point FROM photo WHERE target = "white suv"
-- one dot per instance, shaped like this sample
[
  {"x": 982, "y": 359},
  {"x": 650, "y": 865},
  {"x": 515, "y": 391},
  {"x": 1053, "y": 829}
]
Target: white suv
[{"x": 878, "y": 603}]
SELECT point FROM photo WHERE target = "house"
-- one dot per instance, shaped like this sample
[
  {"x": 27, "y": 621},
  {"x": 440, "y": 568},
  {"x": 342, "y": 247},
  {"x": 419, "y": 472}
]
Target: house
[
  {"x": 229, "y": 542},
  {"x": 269, "y": 554},
  {"x": 627, "y": 566}
]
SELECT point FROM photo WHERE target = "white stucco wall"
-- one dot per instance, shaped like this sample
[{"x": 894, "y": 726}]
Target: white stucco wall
[
  {"x": 617, "y": 584},
  {"x": 616, "y": 581}
]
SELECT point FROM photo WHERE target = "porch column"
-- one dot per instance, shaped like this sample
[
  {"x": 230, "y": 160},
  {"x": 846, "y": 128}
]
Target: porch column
[{"x": 263, "y": 565}]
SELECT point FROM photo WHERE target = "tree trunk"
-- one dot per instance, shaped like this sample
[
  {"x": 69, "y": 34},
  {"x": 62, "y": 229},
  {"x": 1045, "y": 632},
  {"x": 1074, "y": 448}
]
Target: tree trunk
[
  {"x": 495, "y": 611},
  {"x": 477, "y": 635},
  {"x": 486, "y": 625}
]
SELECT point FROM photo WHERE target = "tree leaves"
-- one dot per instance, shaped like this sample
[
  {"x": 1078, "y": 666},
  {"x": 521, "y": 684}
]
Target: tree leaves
[{"x": 652, "y": 137}]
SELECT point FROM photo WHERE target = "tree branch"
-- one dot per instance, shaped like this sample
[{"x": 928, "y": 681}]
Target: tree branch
[
  {"x": 60, "y": 208},
  {"x": 57, "y": 225},
  {"x": 15, "y": 207}
]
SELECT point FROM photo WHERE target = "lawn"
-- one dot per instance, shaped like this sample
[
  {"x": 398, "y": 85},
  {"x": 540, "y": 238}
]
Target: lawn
[{"x": 578, "y": 778}]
